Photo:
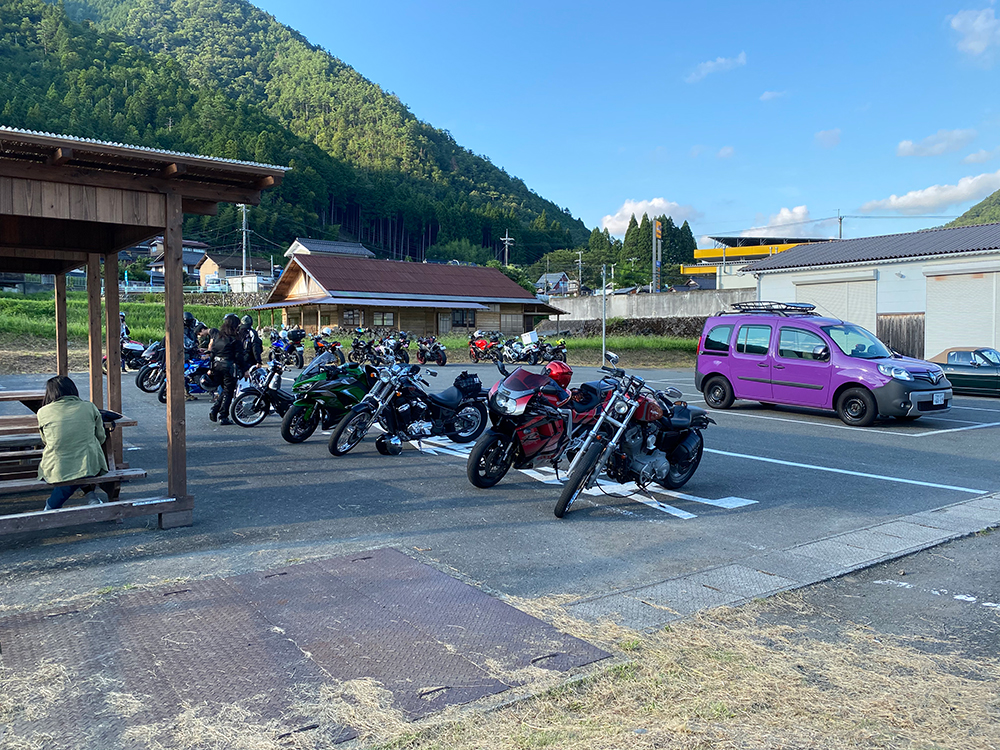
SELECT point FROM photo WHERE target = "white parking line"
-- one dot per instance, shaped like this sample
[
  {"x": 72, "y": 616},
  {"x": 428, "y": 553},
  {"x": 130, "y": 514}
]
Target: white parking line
[
  {"x": 832, "y": 470},
  {"x": 958, "y": 429},
  {"x": 974, "y": 408}
]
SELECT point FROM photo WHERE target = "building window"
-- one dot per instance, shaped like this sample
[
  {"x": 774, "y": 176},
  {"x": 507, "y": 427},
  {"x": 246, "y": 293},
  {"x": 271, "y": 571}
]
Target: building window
[
  {"x": 352, "y": 318},
  {"x": 293, "y": 319},
  {"x": 463, "y": 318},
  {"x": 324, "y": 319},
  {"x": 383, "y": 319}
]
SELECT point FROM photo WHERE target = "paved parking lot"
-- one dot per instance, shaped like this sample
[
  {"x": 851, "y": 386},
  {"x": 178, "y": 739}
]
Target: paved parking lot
[{"x": 773, "y": 482}]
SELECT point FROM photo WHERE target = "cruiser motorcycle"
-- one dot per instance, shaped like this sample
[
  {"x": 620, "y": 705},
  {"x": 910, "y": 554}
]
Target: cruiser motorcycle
[{"x": 641, "y": 436}]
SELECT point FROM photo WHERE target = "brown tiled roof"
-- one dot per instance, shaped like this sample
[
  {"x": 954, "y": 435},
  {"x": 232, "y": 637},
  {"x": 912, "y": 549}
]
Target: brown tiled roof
[{"x": 392, "y": 277}]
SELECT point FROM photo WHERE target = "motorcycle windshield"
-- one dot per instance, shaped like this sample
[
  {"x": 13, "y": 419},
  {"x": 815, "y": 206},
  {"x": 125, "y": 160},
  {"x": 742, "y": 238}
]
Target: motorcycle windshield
[
  {"x": 326, "y": 358},
  {"x": 521, "y": 380}
]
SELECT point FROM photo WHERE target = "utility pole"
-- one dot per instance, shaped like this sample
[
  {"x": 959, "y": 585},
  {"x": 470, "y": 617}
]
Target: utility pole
[
  {"x": 507, "y": 241},
  {"x": 604, "y": 311},
  {"x": 244, "y": 207},
  {"x": 654, "y": 284},
  {"x": 579, "y": 273}
]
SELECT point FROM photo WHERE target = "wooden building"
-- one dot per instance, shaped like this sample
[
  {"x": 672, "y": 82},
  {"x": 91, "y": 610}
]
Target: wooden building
[
  {"x": 67, "y": 203},
  {"x": 422, "y": 298}
]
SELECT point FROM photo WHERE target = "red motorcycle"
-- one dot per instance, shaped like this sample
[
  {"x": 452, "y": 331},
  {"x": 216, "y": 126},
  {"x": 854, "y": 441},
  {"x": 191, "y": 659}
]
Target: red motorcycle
[
  {"x": 485, "y": 346},
  {"x": 535, "y": 419},
  {"x": 320, "y": 345}
]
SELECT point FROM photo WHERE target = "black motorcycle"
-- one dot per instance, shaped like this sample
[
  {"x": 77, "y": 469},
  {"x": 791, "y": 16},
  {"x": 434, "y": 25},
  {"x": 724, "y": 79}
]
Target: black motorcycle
[
  {"x": 151, "y": 374},
  {"x": 429, "y": 349},
  {"x": 641, "y": 436},
  {"x": 255, "y": 402},
  {"x": 405, "y": 411},
  {"x": 364, "y": 351}
]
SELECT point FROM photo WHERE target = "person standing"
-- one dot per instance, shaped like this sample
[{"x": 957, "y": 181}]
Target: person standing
[
  {"x": 125, "y": 333},
  {"x": 73, "y": 434},
  {"x": 227, "y": 365},
  {"x": 253, "y": 347}
]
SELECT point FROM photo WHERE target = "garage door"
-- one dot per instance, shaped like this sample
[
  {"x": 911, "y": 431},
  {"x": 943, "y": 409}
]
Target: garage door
[
  {"x": 853, "y": 301},
  {"x": 961, "y": 311}
]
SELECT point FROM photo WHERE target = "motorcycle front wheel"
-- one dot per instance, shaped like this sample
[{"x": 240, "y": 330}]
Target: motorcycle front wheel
[
  {"x": 473, "y": 355},
  {"x": 404, "y": 355},
  {"x": 356, "y": 357},
  {"x": 351, "y": 431},
  {"x": 295, "y": 427},
  {"x": 486, "y": 465},
  {"x": 161, "y": 395},
  {"x": 679, "y": 474},
  {"x": 249, "y": 409},
  {"x": 473, "y": 417},
  {"x": 579, "y": 478},
  {"x": 340, "y": 356},
  {"x": 559, "y": 356},
  {"x": 149, "y": 378},
  {"x": 421, "y": 359}
]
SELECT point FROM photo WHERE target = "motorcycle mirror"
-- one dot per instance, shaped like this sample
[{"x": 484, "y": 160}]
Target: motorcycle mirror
[
  {"x": 674, "y": 393},
  {"x": 612, "y": 357},
  {"x": 432, "y": 373}
]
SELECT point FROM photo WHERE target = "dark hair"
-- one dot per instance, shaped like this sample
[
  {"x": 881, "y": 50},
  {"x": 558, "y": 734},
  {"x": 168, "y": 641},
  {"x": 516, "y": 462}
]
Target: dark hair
[
  {"x": 230, "y": 326},
  {"x": 57, "y": 387}
]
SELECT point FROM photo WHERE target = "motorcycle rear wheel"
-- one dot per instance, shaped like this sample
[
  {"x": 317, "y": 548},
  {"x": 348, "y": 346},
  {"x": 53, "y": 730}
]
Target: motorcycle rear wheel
[
  {"x": 679, "y": 474},
  {"x": 559, "y": 356},
  {"x": 295, "y": 427},
  {"x": 486, "y": 466},
  {"x": 350, "y": 432},
  {"x": 404, "y": 356},
  {"x": 161, "y": 394},
  {"x": 249, "y": 409},
  {"x": 579, "y": 478},
  {"x": 356, "y": 357},
  {"x": 475, "y": 428},
  {"x": 442, "y": 359}
]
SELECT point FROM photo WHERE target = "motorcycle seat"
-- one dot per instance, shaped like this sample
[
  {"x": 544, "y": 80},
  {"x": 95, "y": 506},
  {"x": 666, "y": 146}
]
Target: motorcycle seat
[
  {"x": 448, "y": 398},
  {"x": 552, "y": 388},
  {"x": 589, "y": 395},
  {"x": 681, "y": 419}
]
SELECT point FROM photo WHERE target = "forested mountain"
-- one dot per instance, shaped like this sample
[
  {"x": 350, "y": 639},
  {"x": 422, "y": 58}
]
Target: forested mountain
[
  {"x": 985, "y": 212},
  {"x": 389, "y": 179}
]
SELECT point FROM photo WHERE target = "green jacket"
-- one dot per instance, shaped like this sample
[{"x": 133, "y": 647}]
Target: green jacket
[{"x": 73, "y": 434}]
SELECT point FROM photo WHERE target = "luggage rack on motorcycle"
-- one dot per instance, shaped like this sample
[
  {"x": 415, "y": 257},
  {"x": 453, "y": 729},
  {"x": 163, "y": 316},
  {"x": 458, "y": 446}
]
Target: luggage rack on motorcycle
[{"x": 761, "y": 307}]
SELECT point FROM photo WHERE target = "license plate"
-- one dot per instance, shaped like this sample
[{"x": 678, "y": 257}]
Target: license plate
[{"x": 938, "y": 399}]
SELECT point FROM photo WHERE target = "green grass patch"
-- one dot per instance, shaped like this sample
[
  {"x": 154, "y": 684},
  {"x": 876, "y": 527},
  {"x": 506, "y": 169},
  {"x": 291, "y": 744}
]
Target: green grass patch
[{"x": 618, "y": 344}]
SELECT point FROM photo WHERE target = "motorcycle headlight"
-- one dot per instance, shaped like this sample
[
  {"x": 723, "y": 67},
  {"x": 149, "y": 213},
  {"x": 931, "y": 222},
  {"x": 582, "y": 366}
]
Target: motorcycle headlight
[
  {"x": 897, "y": 373},
  {"x": 504, "y": 403},
  {"x": 384, "y": 376},
  {"x": 620, "y": 408}
]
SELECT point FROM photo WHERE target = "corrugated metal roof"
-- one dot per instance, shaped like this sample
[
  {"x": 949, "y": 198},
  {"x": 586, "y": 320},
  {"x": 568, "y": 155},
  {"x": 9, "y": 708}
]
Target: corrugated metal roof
[
  {"x": 982, "y": 237},
  {"x": 151, "y": 151},
  {"x": 334, "y": 248},
  {"x": 342, "y": 274},
  {"x": 386, "y": 303}
]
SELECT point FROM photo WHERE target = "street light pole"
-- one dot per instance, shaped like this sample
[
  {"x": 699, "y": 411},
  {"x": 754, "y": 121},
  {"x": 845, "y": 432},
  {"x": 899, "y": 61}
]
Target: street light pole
[{"x": 604, "y": 312}]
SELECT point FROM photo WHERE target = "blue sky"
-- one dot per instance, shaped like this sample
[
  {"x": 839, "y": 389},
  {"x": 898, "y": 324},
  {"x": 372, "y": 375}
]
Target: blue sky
[{"x": 732, "y": 115}]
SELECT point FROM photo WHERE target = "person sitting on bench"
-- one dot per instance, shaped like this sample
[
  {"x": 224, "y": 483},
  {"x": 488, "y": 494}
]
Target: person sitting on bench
[{"x": 73, "y": 437}]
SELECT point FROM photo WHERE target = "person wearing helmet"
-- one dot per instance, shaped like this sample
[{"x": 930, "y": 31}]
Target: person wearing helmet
[
  {"x": 125, "y": 333},
  {"x": 192, "y": 327},
  {"x": 227, "y": 365},
  {"x": 327, "y": 331},
  {"x": 559, "y": 372},
  {"x": 253, "y": 347}
]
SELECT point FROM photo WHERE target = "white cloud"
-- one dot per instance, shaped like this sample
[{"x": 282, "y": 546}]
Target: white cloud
[
  {"x": 979, "y": 31},
  {"x": 726, "y": 152},
  {"x": 792, "y": 222},
  {"x": 942, "y": 142},
  {"x": 717, "y": 65},
  {"x": 617, "y": 223},
  {"x": 980, "y": 156},
  {"x": 768, "y": 96},
  {"x": 828, "y": 138},
  {"x": 939, "y": 197},
  {"x": 696, "y": 151}
]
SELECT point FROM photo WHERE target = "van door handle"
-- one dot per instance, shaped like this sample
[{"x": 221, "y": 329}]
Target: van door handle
[
  {"x": 763, "y": 364},
  {"x": 778, "y": 367}
]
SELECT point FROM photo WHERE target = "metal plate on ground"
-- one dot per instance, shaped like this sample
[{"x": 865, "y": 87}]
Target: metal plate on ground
[{"x": 260, "y": 641}]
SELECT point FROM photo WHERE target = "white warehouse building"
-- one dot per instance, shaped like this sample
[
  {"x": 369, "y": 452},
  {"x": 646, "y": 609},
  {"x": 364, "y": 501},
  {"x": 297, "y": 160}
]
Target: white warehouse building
[{"x": 920, "y": 292}]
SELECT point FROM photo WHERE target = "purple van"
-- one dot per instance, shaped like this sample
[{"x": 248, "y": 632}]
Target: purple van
[{"x": 784, "y": 353}]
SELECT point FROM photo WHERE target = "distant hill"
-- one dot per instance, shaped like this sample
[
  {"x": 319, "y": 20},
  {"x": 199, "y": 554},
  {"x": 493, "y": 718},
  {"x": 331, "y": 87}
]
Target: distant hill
[
  {"x": 403, "y": 184},
  {"x": 986, "y": 211}
]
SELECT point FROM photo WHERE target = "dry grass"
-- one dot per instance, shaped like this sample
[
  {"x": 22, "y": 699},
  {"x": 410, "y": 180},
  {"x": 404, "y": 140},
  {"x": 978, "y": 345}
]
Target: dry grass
[{"x": 34, "y": 354}]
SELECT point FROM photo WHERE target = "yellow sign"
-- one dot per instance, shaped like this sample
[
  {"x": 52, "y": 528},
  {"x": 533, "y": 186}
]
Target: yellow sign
[{"x": 659, "y": 230}]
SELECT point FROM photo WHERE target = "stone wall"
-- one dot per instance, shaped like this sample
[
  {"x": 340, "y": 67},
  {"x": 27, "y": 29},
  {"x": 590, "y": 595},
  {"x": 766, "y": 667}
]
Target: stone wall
[
  {"x": 213, "y": 299},
  {"x": 701, "y": 303}
]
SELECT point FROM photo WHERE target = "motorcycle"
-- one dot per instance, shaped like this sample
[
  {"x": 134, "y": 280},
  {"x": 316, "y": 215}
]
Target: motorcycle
[
  {"x": 320, "y": 345},
  {"x": 198, "y": 378},
  {"x": 287, "y": 349},
  {"x": 429, "y": 349},
  {"x": 513, "y": 350},
  {"x": 641, "y": 436},
  {"x": 395, "y": 348},
  {"x": 549, "y": 353},
  {"x": 151, "y": 374},
  {"x": 363, "y": 351},
  {"x": 253, "y": 403},
  {"x": 323, "y": 394},
  {"x": 485, "y": 346},
  {"x": 406, "y": 412},
  {"x": 534, "y": 420},
  {"x": 131, "y": 355}
]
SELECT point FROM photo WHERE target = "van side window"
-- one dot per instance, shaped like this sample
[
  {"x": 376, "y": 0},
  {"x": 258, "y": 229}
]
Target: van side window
[
  {"x": 753, "y": 339},
  {"x": 794, "y": 343},
  {"x": 717, "y": 339}
]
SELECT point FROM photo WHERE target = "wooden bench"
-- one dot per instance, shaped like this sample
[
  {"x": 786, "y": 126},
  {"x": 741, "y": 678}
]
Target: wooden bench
[
  {"x": 11, "y": 425},
  {"x": 110, "y": 483}
]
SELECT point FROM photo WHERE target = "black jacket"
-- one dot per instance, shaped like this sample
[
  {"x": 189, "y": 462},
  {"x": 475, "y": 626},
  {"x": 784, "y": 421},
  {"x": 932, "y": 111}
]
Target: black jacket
[
  {"x": 253, "y": 347},
  {"x": 227, "y": 353}
]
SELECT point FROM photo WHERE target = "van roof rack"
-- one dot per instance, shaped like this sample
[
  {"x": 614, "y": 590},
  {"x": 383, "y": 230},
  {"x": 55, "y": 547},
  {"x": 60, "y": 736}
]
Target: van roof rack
[{"x": 761, "y": 307}]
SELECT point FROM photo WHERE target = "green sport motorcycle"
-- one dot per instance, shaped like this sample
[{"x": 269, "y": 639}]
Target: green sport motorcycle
[{"x": 324, "y": 393}]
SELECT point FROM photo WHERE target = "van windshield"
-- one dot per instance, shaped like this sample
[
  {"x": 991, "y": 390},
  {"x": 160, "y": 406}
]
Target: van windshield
[{"x": 855, "y": 341}]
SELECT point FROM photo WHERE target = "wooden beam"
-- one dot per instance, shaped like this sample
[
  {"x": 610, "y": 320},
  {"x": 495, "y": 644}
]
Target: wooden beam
[
  {"x": 62, "y": 344},
  {"x": 61, "y": 156},
  {"x": 113, "y": 330},
  {"x": 269, "y": 181},
  {"x": 201, "y": 208},
  {"x": 173, "y": 170},
  {"x": 94, "y": 327},
  {"x": 173, "y": 297}
]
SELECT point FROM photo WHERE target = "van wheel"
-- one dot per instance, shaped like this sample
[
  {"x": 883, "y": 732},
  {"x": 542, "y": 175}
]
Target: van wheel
[
  {"x": 719, "y": 393},
  {"x": 856, "y": 407}
]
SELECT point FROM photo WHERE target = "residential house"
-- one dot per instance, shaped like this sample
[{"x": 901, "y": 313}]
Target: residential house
[{"x": 306, "y": 246}]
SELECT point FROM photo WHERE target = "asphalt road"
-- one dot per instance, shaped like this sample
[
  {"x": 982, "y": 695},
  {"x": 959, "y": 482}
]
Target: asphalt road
[{"x": 771, "y": 478}]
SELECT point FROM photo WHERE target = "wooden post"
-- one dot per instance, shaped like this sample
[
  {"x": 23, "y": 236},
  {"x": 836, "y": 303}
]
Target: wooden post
[
  {"x": 318, "y": 321},
  {"x": 62, "y": 345},
  {"x": 94, "y": 319},
  {"x": 173, "y": 298},
  {"x": 112, "y": 324}
]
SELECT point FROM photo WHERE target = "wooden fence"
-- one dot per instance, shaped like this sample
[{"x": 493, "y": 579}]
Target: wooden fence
[{"x": 903, "y": 332}]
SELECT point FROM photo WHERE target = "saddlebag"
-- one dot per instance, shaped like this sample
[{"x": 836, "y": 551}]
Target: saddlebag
[
  {"x": 687, "y": 450},
  {"x": 470, "y": 386}
]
